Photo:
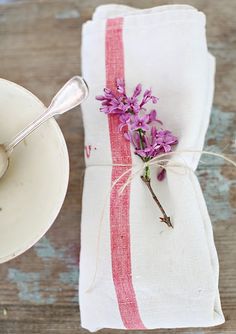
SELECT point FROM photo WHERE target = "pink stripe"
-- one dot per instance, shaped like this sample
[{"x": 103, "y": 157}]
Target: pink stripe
[{"x": 119, "y": 204}]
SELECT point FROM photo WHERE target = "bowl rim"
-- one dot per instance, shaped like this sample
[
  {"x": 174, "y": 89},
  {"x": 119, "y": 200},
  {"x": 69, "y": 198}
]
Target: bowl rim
[{"x": 66, "y": 166}]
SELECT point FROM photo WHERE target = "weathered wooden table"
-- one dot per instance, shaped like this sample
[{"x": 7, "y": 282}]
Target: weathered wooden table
[{"x": 40, "y": 49}]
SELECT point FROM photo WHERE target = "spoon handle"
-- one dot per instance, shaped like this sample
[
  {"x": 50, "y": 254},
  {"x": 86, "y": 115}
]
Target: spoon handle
[
  {"x": 27, "y": 131},
  {"x": 69, "y": 96}
]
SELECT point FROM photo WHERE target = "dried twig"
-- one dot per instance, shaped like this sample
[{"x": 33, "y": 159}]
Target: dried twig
[{"x": 165, "y": 218}]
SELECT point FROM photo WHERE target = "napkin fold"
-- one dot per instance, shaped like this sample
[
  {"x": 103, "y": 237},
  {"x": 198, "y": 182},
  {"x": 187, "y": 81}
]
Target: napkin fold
[{"x": 147, "y": 275}]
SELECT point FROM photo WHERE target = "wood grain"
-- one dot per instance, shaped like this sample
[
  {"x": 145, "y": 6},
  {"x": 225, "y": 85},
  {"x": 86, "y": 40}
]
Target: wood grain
[{"x": 40, "y": 49}]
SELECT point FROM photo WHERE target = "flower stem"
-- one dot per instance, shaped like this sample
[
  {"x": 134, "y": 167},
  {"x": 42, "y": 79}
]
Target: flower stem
[
  {"x": 147, "y": 180},
  {"x": 141, "y": 138}
]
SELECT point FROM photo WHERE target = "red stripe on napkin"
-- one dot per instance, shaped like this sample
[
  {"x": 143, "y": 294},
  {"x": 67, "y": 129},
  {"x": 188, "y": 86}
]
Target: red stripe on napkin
[{"x": 119, "y": 204}]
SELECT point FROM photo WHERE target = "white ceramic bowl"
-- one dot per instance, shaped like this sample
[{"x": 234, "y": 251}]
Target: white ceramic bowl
[{"x": 34, "y": 187}]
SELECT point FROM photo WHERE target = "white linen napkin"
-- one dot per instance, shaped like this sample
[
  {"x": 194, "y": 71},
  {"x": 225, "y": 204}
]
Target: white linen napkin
[{"x": 173, "y": 273}]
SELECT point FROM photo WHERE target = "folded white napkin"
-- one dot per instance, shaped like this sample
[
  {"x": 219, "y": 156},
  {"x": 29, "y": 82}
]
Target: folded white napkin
[{"x": 147, "y": 275}]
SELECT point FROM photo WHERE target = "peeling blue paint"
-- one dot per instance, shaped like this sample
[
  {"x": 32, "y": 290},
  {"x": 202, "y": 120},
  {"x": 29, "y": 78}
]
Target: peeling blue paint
[
  {"x": 221, "y": 127},
  {"x": 70, "y": 277},
  {"x": 46, "y": 251},
  {"x": 217, "y": 186},
  {"x": 216, "y": 193},
  {"x": 4, "y": 2},
  {"x": 68, "y": 14},
  {"x": 221, "y": 123},
  {"x": 28, "y": 286},
  {"x": 28, "y": 283}
]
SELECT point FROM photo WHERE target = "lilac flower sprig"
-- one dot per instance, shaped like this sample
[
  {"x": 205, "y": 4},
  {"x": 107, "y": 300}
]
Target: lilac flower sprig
[{"x": 141, "y": 127}]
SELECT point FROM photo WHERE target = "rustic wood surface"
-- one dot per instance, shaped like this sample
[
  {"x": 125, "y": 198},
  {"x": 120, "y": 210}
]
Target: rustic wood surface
[{"x": 40, "y": 49}]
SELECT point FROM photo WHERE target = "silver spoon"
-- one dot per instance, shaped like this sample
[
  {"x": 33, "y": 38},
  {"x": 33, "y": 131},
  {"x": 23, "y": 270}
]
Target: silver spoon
[{"x": 73, "y": 93}]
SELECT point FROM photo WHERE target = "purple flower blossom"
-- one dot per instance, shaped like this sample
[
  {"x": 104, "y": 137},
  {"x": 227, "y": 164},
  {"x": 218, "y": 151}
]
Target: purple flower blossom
[
  {"x": 120, "y": 84},
  {"x": 134, "y": 138},
  {"x": 153, "y": 117},
  {"x": 147, "y": 149},
  {"x": 112, "y": 104},
  {"x": 133, "y": 101},
  {"x": 140, "y": 123},
  {"x": 133, "y": 104},
  {"x": 146, "y": 153},
  {"x": 124, "y": 120},
  {"x": 161, "y": 175},
  {"x": 137, "y": 90},
  {"x": 147, "y": 96},
  {"x": 100, "y": 98},
  {"x": 164, "y": 140},
  {"x": 119, "y": 105},
  {"x": 156, "y": 142}
]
